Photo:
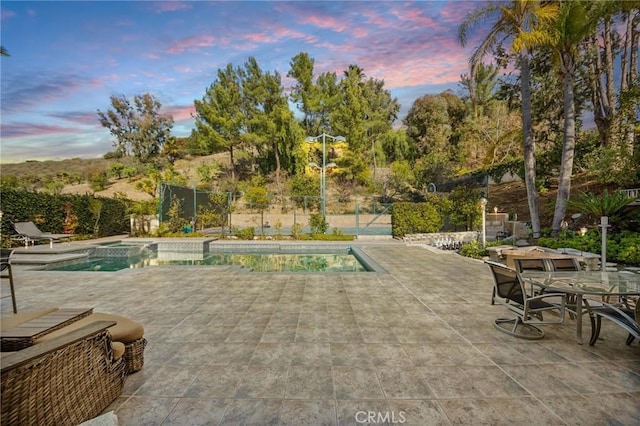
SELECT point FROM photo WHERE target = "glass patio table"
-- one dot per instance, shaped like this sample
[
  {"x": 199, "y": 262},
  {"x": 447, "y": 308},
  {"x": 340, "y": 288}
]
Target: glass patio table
[{"x": 584, "y": 283}]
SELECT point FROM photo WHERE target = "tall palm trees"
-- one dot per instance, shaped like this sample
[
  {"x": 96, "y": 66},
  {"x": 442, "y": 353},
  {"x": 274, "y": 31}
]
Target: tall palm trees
[
  {"x": 512, "y": 21},
  {"x": 565, "y": 35}
]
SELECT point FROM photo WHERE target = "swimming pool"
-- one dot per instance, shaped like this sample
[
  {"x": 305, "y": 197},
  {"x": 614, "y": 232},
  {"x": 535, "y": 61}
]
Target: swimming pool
[{"x": 258, "y": 258}]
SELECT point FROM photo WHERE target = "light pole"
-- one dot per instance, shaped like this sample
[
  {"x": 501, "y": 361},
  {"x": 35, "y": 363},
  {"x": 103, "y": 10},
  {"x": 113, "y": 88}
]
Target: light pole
[
  {"x": 483, "y": 205},
  {"x": 323, "y": 184}
]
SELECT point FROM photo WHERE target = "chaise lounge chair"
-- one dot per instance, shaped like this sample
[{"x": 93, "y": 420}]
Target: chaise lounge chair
[{"x": 29, "y": 233}]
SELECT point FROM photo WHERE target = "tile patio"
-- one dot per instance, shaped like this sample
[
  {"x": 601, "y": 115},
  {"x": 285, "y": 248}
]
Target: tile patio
[{"x": 416, "y": 345}]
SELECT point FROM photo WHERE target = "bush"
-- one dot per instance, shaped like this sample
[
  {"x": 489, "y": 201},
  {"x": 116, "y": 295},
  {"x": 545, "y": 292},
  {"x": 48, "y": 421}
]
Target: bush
[
  {"x": 245, "y": 234},
  {"x": 473, "y": 249},
  {"x": 414, "y": 218},
  {"x": 622, "y": 247},
  {"x": 318, "y": 224},
  {"x": 296, "y": 231}
]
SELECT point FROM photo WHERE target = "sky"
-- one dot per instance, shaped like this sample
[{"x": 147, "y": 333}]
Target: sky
[{"x": 69, "y": 57}]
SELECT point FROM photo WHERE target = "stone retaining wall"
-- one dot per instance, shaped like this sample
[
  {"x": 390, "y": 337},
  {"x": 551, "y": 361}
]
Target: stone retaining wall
[{"x": 435, "y": 237}]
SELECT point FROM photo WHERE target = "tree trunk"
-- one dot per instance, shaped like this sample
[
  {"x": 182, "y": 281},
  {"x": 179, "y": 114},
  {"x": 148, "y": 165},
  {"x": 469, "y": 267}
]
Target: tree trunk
[
  {"x": 276, "y": 152},
  {"x": 529, "y": 145},
  {"x": 598, "y": 98},
  {"x": 608, "y": 58},
  {"x": 233, "y": 163},
  {"x": 569, "y": 142},
  {"x": 632, "y": 38}
]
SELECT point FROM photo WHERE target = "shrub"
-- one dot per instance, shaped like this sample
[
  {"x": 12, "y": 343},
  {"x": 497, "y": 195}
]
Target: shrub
[
  {"x": 296, "y": 231},
  {"x": 318, "y": 224},
  {"x": 473, "y": 249},
  {"x": 245, "y": 233},
  {"x": 99, "y": 181},
  {"x": 622, "y": 247},
  {"x": 413, "y": 218}
]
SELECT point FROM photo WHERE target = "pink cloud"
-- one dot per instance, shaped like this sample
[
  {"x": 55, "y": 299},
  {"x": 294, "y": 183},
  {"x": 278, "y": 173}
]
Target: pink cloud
[
  {"x": 190, "y": 43},
  {"x": 360, "y": 32},
  {"x": 325, "y": 22},
  {"x": 180, "y": 112},
  {"x": 376, "y": 19},
  {"x": 20, "y": 130},
  {"x": 455, "y": 12},
  {"x": 415, "y": 17},
  {"x": 274, "y": 35}
]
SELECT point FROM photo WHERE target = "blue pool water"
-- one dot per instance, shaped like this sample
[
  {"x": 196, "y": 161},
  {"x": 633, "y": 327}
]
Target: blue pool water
[{"x": 258, "y": 262}]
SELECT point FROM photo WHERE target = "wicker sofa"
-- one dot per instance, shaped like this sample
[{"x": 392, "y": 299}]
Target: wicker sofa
[
  {"x": 63, "y": 381},
  {"x": 125, "y": 332}
]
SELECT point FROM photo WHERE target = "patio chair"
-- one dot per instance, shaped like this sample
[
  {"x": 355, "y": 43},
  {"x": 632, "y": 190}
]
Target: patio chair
[
  {"x": 565, "y": 264},
  {"x": 524, "y": 265},
  {"x": 549, "y": 265},
  {"x": 530, "y": 265},
  {"x": 5, "y": 272},
  {"x": 625, "y": 318},
  {"x": 527, "y": 309},
  {"x": 29, "y": 233},
  {"x": 64, "y": 381}
]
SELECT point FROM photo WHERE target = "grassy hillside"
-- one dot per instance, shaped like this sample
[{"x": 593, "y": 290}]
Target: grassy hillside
[{"x": 508, "y": 197}]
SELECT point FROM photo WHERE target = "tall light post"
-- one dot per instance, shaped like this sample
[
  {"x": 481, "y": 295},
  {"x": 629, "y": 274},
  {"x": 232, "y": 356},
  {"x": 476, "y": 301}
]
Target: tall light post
[
  {"x": 483, "y": 205},
  {"x": 323, "y": 184}
]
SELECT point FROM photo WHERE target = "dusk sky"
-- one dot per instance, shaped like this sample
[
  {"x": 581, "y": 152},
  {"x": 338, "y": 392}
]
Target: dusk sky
[{"x": 69, "y": 57}]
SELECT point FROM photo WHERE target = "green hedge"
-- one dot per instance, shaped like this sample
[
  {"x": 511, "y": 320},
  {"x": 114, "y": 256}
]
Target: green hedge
[
  {"x": 414, "y": 218},
  {"x": 622, "y": 247},
  {"x": 49, "y": 212}
]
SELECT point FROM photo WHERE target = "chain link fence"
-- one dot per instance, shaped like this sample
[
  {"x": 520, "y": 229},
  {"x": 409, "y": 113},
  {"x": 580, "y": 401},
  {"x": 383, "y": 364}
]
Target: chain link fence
[{"x": 197, "y": 210}]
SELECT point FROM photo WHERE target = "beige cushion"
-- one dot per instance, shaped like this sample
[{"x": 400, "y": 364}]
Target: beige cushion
[
  {"x": 118, "y": 350},
  {"x": 10, "y": 321},
  {"x": 125, "y": 331}
]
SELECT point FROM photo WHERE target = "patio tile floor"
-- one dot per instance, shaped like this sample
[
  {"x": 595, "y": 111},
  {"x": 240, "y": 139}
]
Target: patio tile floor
[{"x": 416, "y": 346}]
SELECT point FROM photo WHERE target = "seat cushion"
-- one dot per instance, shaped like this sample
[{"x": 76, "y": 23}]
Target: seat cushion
[
  {"x": 10, "y": 321},
  {"x": 118, "y": 350},
  {"x": 125, "y": 331}
]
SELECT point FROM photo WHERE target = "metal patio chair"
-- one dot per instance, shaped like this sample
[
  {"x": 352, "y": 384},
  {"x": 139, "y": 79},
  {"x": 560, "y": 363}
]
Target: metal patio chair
[
  {"x": 564, "y": 264},
  {"x": 626, "y": 318},
  {"x": 527, "y": 309}
]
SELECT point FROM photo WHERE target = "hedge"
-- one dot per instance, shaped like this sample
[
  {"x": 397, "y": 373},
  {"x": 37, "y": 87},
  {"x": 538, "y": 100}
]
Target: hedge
[
  {"x": 49, "y": 212},
  {"x": 414, "y": 218}
]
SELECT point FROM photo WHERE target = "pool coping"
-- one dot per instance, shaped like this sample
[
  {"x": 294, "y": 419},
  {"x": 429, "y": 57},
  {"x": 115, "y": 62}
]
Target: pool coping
[{"x": 72, "y": 254}]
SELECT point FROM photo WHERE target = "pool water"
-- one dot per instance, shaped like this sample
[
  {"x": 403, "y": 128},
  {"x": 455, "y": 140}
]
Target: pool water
[
  {"x": 345, "y": 262},
  {"x": 279, "y": 262}
]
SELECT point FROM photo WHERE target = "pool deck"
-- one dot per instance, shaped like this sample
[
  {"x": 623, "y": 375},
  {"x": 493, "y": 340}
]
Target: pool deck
[{"x": 414, "y": 346}]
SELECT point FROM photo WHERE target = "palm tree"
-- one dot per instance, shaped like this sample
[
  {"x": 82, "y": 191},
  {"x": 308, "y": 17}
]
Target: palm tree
[
  {"x": 565, "y": 34},
  {"x": 3, "y": 51},
  {"x": 512, "y": 21}
]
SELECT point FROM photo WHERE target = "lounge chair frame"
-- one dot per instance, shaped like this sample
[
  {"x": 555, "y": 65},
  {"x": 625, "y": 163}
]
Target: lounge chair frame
[{"x": 28, "y": 232}]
